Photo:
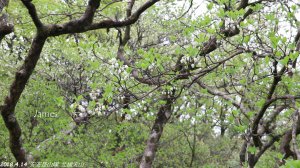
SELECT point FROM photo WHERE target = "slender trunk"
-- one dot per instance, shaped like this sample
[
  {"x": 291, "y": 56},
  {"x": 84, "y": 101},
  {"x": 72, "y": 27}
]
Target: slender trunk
[
  {"x": 251, "y": 160},
  {"x": 222, "y": 120},
  {"x": 243, "y": 153},
  {"x": 194, "y": 147},
  {"x": 162, "y": 118}
]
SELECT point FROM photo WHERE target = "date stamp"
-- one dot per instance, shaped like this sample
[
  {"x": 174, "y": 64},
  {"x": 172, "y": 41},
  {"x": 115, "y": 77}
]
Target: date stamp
[{"x": 42, "y": 164}]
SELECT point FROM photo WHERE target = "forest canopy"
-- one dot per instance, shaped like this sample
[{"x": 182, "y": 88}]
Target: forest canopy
[{"x": 149, "y": 83}]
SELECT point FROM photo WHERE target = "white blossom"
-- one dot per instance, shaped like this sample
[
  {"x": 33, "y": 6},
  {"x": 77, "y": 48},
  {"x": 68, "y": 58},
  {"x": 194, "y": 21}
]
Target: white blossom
[
  {"x": 82, "y": 115},
  {"x": 90, "y": 112},
  {"x": 84, "y": 103},
  {"x": 72, "y": 106},
  {"x": 193, "y": 121},
  {"x": 92, "y": 96},
  {"x": 128, "y": 117},
  {"x": 81, "y": 108}
]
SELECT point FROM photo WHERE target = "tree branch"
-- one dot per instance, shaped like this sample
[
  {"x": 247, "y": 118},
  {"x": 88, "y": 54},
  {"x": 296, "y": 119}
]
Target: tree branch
[
  {"x": 162, "y": 118},
  {"x": 76, "y": 26},
  {"x": 16, "y": 89},
  {"x": 224, "y": 96},
  {"x": 268, "y": 102},
  {"x": 5, "y": 26},
  {"x": 243, "y": 4},
  {"x": 33, "y": 13}
]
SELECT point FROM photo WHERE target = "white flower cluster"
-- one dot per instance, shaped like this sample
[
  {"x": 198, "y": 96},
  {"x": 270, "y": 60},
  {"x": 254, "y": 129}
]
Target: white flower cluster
[
  {"x": 83, "y": 111},
  {"x": 94, "y": 95},
  {"x": 117, "y": 69},
  {"x": 194, "y": 61},
  {"x": 150, "y": 114},
  {"x": 132, "y": 113},
  {"x": 193, "y": 121},
  {"x": 185, "y": 117},
  {"x": 81, "y": 108},
  {"x": 114, "y": 63},
  {"x": 169, "y": 91}
]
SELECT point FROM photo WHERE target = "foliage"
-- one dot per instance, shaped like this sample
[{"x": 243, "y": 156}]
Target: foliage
[{"x": 207, "y": 80}]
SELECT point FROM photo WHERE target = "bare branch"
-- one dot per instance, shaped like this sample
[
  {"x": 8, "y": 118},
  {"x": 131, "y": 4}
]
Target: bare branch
[
  {"x": 5, "y": 26},
  {"x": 223, "y": 95},
  {"x": 76, "y": 26},
  {"x": 33, "y": 13},
  {"x": 243, "y": 4}
]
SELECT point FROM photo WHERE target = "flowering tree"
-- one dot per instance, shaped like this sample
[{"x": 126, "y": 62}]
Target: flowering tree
[{"x": 150, "y": 83}]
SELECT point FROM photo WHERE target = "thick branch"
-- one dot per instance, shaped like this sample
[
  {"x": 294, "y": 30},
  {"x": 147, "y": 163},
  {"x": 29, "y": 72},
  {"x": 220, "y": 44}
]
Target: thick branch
[
  {"x": 33, "y": 13},
  {"x": 263, "y": 149},
  {"x": 17, "y": 87},
  {"x": 243, "y": 4},
  {"x": 162, "y": 118},
  {"x": 77, "y": 27},
  {"x": 268, "y": 102},
  {"x": 89, "y": 13},
  {"x": 5, "y": 26},
  {"x": 128, "y": 14},
  {"x": 285, "y": 144}
]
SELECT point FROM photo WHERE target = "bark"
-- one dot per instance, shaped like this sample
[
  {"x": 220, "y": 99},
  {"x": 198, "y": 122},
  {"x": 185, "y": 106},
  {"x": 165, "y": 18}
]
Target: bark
[
  {"x": 162, "y": 118},
  {"x": 268, "y": 102},
  {"x": 80, "y": 25},
  {"x": 17, "y": 87},
  {"x": 285, "y": 147},
  {"x": 243, "y": 4},
  {"x": 294, "y": 134},
  {"x": 3, "y": 3},
  {"x": 6, "y": 27},
  {"x": 243, "y": 153},
  {"x": 222, "y": 120}
]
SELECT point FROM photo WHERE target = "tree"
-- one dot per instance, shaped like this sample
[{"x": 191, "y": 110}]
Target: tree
[
  {"x": 190, "y": 74},
  {"x": 83, "y": 24}
]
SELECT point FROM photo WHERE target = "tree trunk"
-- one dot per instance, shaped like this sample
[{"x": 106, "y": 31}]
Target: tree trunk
[
  {"x": 16, "y": 89},
  {"x": 162, "y": 118}
]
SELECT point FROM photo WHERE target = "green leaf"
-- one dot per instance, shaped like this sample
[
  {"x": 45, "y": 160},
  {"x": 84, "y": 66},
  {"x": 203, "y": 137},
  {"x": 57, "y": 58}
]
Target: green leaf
[
  {"x": 246, "y": 39},
  {"x": 210, "y": 6},
  {"x": 260, "y": 103},
  {"x": 252, "y": 149},
  {"x": 267, "y": 59},
  {"x": 292, "y": 164},
  {"x": 285, "y": 60}
]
